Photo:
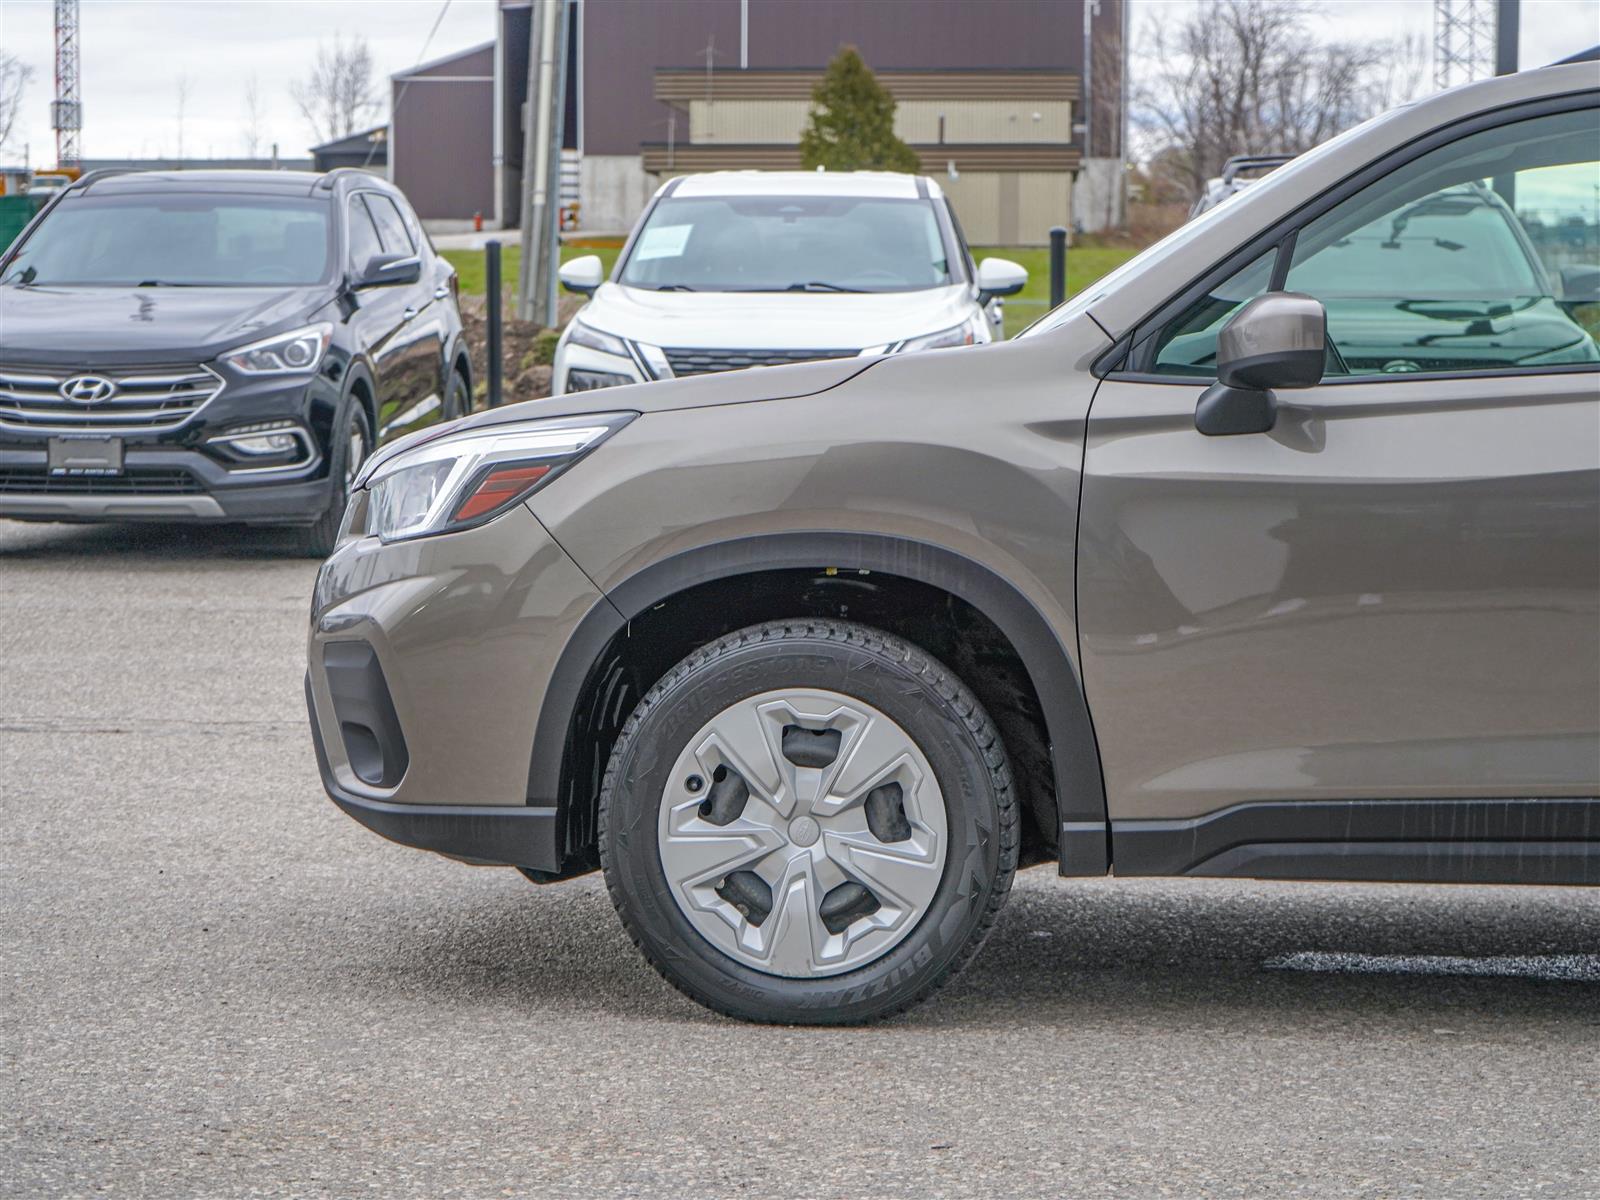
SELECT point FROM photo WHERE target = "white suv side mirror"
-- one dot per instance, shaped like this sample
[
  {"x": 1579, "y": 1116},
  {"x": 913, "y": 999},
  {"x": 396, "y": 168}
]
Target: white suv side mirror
[
  {"x": 582, "y": 275},
  {"x": 1000, "y": 277}
]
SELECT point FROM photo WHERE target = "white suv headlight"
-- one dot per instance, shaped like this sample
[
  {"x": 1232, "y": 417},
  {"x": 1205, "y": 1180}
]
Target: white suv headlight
[
  {"x": 580, "y": 334},
  {"x": 295, "y": 353},
  {"x": 465, "y": 479},
  {"x": 956, "y": 335}
]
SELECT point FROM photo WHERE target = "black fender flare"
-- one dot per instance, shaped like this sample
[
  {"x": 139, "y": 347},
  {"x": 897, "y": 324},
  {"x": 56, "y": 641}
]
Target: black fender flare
[{"x": 1080, "y": 788}]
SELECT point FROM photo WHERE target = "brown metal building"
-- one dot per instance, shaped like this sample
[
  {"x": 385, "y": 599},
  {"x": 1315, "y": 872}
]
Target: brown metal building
[{"x": 992, "y": 96}]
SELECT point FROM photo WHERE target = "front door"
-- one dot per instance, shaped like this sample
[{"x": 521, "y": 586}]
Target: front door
[{"x": 1395, "y": 594}]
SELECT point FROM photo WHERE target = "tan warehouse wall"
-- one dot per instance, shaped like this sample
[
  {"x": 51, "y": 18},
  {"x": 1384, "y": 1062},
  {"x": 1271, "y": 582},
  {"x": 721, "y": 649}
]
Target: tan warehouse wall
[
  {"x": 779, "y": 122},
  {"x": 1007, "y": 208}
]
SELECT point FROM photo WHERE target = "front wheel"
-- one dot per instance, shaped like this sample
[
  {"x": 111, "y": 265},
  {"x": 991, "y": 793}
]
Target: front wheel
[
  {"x": 808, "y": 822},
  {"x": 349, "y": 449}
]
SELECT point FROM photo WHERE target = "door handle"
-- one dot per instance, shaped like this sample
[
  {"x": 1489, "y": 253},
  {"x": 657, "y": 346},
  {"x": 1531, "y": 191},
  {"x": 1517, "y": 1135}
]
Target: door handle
[
  {"x": 440, "y": 292},
  {"x": 409, "y": 313}
]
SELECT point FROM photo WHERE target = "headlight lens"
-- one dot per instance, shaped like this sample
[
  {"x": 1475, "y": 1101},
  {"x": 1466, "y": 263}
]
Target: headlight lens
[
  {"x": 580, "y": 334},
  {"x": 469, "y": 478},
  {"x": 588, "y": 381},
  {"x": 294, "y": 353},
  {"x": 956, "y": 335}
]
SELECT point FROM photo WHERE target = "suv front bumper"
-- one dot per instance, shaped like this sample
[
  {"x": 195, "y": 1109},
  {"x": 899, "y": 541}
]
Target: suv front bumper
[{"x": 427, "y": 665}]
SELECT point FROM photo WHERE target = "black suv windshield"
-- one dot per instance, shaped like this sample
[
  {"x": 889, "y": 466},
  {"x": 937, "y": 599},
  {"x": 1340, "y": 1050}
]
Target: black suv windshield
[
  {"x": 789, "y": 243},
  {"x": 178, "y": 241}
]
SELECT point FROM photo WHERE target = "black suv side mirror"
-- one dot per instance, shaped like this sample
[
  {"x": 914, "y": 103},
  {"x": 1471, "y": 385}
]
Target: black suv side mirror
[
  {"x": 386, "y": 270},
  {"x": 1278, "y": 340}
]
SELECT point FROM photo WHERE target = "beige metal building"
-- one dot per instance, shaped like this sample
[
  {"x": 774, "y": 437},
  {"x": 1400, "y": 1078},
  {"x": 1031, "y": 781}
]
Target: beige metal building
[{"x": 1000, "y": 142}]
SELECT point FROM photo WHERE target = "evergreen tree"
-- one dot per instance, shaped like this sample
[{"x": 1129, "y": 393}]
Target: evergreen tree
[{"x": 851, "y": 126}]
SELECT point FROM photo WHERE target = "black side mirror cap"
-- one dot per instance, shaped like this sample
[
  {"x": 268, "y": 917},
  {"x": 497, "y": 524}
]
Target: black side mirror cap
[
  {"x": 388, "y": 270},
  {"x": 1224, "y": 411}
]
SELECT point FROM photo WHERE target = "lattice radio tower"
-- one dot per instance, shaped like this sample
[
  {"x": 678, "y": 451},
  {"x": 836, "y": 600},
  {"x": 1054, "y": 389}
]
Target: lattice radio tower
[
  {"x": 1463, "y": 41},
  {"x": 66, "y": 110}
]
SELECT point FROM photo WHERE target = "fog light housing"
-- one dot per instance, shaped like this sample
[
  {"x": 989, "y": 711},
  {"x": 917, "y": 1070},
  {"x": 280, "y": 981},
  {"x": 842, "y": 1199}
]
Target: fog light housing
[{"x": 264, "y": 446}]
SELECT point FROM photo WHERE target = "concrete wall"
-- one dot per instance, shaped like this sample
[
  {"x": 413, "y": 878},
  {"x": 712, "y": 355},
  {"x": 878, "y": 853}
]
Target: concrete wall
[
  {"x": 612, "y": 191},
  {"x": 1098, "y": 195}
]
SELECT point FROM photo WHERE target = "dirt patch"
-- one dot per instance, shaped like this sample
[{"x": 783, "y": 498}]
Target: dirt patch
[{"x": 526, "y": 346}]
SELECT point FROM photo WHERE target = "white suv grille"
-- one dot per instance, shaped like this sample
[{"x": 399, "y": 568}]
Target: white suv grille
[{"x": 140, "y": 397}]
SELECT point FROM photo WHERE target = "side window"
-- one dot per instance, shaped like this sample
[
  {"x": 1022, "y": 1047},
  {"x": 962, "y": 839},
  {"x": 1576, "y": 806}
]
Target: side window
[
  {"x": 1187, "y": 345},
  {"x": 396, "y": 238},
  {"x": 363, "y": 235},
  {"x": 1482, "y": 254},
  {"x": 1474, "y": 257}
]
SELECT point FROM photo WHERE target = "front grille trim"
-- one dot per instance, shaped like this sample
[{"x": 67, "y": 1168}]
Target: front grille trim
[
  {"x": 148, "y": 399},
  {"x": 693, "y": 360},
  {"x": 161, "y": 481}
]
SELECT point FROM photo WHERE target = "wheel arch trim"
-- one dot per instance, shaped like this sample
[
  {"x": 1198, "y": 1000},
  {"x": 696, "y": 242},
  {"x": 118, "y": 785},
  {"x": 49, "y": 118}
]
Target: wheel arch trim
[{"x": 1083, "y": 826}]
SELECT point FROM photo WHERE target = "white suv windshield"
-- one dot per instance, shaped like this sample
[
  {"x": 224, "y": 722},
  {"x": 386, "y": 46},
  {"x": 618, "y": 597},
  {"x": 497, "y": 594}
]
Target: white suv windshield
[
  {"x": 177, "y": 241},
  {"x": 789, "y": 243}
]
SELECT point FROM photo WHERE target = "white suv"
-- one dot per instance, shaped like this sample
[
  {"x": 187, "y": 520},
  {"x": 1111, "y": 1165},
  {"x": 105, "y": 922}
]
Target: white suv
[{"x": 758, "y": 268}]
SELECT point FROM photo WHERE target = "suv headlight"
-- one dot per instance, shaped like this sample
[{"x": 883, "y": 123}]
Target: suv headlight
[
  {"x": 295, "y": 353},
  {"x": 465, "y": 479},
  {"x": 580, "y": 334},
  {"x": 956, "y": 335}
]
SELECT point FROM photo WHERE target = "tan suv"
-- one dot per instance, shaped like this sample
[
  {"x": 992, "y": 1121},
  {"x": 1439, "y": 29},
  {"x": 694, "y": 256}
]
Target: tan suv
[{"x": 1276, "y": 554}]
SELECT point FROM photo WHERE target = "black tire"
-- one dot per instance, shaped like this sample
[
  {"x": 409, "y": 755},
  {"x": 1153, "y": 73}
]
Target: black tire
[
  {"x": 457, "y": 399},
  {"x": 317, "y": 540},
  {"x": 931, "y": 705}
]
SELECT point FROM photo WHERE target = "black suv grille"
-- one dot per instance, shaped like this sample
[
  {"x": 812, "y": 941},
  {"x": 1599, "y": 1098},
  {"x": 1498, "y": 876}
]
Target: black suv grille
[
  {"x": 703, "y": 362},
  {"x": 167, "y": 482}
]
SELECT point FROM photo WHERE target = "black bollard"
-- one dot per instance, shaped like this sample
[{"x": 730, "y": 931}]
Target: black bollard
[
  {"x": 491, "y": 253},
  {"x": 1058, "y": 264}
]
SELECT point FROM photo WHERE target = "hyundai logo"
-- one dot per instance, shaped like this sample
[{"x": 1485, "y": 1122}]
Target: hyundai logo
[{"x": 88, "y": 389}]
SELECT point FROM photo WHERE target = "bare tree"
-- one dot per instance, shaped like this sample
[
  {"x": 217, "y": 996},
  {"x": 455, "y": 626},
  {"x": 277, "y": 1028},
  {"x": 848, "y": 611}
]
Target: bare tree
[
  {"x": 1247, "y": 77},
  {"x": 14, "y": 78},
  {"x": 252, "y": 115},
  {"x": 336, "y": 97}
]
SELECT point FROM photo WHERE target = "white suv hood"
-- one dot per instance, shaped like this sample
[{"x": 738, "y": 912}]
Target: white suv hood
[{"x": 775, "y": 320}]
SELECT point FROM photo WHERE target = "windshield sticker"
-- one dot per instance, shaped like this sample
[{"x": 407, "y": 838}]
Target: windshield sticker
[{"x": 663, "y": 241}]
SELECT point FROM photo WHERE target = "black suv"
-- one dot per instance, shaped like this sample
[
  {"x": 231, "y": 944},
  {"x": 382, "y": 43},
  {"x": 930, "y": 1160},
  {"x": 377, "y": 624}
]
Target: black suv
[{"x": 219, "y": 346}]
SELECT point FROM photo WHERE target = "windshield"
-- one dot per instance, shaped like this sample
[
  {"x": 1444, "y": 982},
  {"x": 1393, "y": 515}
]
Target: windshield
[
  {"x": 177, "y": 241},
  {"x": 789, "y": 243},
  {"x": 1459, "y": 240}
]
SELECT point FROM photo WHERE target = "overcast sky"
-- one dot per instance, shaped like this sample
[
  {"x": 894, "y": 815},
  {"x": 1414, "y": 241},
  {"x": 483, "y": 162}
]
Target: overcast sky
[{"x": 134, "y": 52}]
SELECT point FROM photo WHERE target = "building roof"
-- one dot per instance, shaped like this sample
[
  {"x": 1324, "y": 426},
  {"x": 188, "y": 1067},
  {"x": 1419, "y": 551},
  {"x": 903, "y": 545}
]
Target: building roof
[
  {"x": 884, "y": 184},
  {"x": 359, "y": 142}
]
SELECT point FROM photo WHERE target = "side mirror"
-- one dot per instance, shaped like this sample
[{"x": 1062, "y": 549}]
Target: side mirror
[
  {"x": 1580, "y": 285},
  {"x": 582, "y": 275},
  {"x": 1000, "y": 277},
  {"x": 386, "y": 270},
  {"x": 1279, "y": 340}
]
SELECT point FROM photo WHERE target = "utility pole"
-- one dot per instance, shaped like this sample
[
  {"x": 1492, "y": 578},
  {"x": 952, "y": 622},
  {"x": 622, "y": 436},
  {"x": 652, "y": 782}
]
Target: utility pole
[
  {"x": 66, "y": 110},
  {"x": 541, "y": 156},
  {"x": 1507, "y": 32}
]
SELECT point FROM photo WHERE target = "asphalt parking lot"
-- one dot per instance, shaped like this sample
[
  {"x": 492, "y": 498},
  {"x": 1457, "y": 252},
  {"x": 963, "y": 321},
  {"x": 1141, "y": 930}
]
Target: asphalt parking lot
[{"x": 214, "y": 984}]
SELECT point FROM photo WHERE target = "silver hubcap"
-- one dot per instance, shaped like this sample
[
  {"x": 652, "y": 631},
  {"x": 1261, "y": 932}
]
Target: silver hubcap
[{"x": 802, "y": 833}]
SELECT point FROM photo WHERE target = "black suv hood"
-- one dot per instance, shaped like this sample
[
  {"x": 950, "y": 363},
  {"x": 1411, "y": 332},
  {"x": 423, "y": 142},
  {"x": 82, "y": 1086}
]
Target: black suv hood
[{"x": 78, "y": 326}]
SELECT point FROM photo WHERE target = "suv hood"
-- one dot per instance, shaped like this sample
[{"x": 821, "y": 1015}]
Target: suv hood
[
  {"x": 77, "y": 325},
  {"x": 775, "y": 320}
]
